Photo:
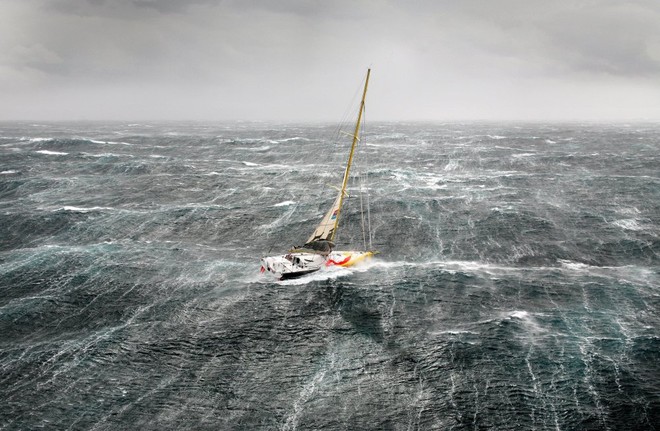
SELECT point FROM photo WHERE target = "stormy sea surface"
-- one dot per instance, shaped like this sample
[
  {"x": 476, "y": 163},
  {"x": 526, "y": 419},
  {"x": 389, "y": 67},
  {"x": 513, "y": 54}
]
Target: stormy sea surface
[{"x": 517, "y": 285}]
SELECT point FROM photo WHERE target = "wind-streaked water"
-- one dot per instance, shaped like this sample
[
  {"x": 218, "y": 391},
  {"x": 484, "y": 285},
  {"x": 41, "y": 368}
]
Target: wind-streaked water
[{"x": 518, "y": 284}]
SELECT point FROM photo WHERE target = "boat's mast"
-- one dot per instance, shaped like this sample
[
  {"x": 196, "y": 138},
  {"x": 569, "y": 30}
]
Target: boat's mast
[{"x": 350, "y": 155}]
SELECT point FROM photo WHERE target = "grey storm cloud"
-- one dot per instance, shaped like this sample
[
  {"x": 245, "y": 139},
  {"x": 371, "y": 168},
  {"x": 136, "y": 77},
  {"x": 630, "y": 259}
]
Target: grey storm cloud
[{"x": 295, "y": 59}]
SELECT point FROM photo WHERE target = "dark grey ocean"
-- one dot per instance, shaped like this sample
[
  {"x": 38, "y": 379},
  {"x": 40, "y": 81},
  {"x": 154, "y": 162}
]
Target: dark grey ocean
[{"x": 517, "y": 285}]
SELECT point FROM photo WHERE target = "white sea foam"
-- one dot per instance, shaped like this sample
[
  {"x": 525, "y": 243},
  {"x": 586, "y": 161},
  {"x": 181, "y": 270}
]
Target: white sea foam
[
  {"x": 519, "y": 314},
  {"x": 328, "y": 273},
  {"x": 107, "y": 155},
  {"x": 493, "y": 269},
  {"x": 284, "y": 204},
  {"x": 454, "y": 332},
  {"x": 628, "y": 210},
  {"x": 108, "y": 142},
  {"x": 451, "y": 166},
  {"x": 500, "y": 147},
  {"x": 51, "y": 153},
  {"x": 628, "y": 224},
  {"x": 572, "y": 265},
  {"x": 249, "y": 163},
  {"x": 378, "y": 263},
  {"x": 449, "y": 266},
  {"x": 307, "y": 392},
  {"x": 295, "y": 138},
  {"x": 506, "y": 174},
  {"x": 261, "y": 149},
  {"x": 504, "y": 209},
  {"x": 82, "y": 209},
  {"x": 10, "y": 172},
  {"x": 526, "y": 319},
  {"x": 157, "y": 156},
  {"x": 432, "y": 181}
]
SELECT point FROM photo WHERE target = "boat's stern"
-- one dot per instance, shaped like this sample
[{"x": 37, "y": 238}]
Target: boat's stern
[{"x": 292, "y": 265}]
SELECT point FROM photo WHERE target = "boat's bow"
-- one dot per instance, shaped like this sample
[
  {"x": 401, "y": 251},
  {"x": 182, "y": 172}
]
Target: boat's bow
[{"x": 348, "y": 258}]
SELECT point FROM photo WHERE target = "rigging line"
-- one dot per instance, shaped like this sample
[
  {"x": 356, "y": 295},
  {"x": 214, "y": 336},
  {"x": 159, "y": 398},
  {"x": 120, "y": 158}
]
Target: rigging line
[
  {"x": 365, "y": 180},
  {"x": 362, "y": 157},
  {"x": 354, "y": 143},
  {"x": 333, "y": 139},
  {"x": 347, "y": 120},
  {"x": 364, "y": 238},
  {"x": 336, "y": 148},
  {"x": 349, "y": 115}
]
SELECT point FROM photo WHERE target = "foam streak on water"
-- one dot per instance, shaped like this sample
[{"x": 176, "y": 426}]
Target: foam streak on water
[{"x": 517, "y": 285}]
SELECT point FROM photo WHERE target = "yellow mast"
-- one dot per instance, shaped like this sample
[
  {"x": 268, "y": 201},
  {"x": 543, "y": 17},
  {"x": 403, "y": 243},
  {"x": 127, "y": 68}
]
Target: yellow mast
[{"x": 350, "y": 156}]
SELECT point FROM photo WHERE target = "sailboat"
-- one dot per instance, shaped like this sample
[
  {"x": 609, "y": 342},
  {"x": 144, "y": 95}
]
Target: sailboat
[{"x": 319, "y": 250}]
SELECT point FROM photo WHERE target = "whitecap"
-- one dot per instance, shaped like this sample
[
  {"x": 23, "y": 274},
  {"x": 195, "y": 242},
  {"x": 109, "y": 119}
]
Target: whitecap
[
  {"x": 628, "y": 210},
  {"x": 503, "y": 209},
  {"x": 284, "y": 204},
  {"x": 628, "y": 224},
  {"x": 249, "y": 163},
  {"x": 451, "y": 166},
  {"x": 573, "y": 265},
  {"x": 81, "y": 209},
  {"x": 10, "y": 172},
  {"x": 107, "y": 155},
  {"x": 519, "y": 314},
  {"x": 453, "y": 332},
  {"x": 295, "y": 138},
  {"x": 526, "y": 319},
  {"x": 109, "y": 142},
  {"x": 52, "y": 153}
]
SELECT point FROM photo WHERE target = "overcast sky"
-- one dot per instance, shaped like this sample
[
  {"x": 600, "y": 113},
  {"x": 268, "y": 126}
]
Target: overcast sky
[{"x": 292, "y": 60}]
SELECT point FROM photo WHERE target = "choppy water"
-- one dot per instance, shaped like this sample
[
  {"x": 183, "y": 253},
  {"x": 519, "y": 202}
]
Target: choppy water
[{"x": 518, "y": 285}]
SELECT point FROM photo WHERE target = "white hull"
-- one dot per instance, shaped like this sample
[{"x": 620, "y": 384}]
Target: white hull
[{"x": 297, "y": 264}]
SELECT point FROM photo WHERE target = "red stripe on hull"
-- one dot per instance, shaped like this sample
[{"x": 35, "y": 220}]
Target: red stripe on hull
[{"x": 333, "y": 262}]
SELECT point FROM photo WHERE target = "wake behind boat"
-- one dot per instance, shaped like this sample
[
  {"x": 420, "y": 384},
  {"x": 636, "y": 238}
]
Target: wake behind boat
[{"x": 318, "y": 252}]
